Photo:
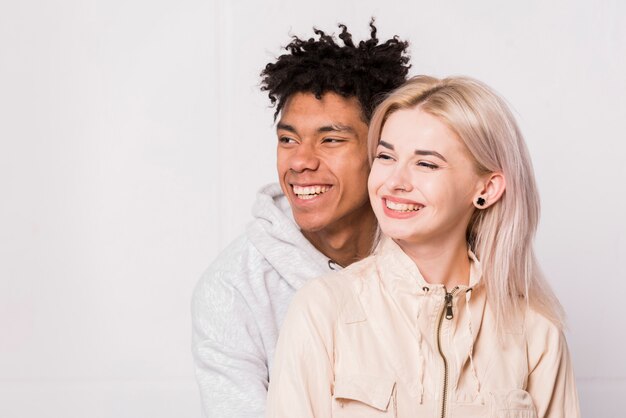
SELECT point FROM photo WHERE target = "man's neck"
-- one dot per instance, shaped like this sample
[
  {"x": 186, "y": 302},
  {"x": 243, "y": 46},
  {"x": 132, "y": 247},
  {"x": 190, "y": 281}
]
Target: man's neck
[{"x": 347, "y": 243}]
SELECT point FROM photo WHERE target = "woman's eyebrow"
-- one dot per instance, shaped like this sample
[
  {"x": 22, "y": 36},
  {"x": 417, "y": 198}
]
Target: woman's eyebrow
[
  {"x": 429, "y": 152},
  {"x": 417, "y": 151}
]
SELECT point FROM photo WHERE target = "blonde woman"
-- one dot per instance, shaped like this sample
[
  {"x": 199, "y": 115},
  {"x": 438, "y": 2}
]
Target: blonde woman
[{"x": 451, "y": 317}]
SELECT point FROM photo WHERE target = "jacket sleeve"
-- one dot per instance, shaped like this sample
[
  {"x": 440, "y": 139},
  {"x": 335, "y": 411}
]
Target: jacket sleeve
[
  {"x": 551, "y": 381},
  {"x": 302, "y": 378},
  {"x": 230, "y": 364}
]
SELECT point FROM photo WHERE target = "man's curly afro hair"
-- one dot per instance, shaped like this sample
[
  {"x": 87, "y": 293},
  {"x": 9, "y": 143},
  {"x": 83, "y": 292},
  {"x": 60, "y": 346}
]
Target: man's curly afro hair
[{"x": 366, "y": 71}]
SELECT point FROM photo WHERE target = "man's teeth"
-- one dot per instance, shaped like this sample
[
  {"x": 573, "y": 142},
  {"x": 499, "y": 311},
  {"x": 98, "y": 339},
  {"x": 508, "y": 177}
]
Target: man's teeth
[
  {"x": 309, "y": 192},
  {"x": 402, "y": 207}
]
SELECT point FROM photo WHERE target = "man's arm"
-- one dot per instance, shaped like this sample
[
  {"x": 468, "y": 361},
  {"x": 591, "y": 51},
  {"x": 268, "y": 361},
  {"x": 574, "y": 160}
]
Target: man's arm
[{"x": 230, "y": 363}]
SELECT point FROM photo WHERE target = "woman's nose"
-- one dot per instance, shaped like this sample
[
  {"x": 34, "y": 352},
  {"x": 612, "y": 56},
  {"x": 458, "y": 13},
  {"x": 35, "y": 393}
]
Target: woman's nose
[{"x": 399, "y": 180}]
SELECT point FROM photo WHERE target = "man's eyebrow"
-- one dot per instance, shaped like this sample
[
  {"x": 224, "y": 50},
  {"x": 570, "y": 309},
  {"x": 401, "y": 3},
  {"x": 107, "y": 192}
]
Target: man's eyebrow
[
  {"x": 385, "y": 144},
  {"x": 326, "y": 128},
  {"x": 336, "y": 128},
  {"x": 285, "y": 127},
  {"x": 428, "y": 152}
]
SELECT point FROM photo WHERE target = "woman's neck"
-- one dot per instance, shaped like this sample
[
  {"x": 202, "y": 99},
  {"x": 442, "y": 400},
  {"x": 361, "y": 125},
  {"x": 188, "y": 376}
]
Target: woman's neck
[{"x": 441, "y": 263}]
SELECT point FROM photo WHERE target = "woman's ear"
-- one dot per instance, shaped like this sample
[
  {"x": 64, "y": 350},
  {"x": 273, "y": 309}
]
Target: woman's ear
[{"x": 492, "y": 189}]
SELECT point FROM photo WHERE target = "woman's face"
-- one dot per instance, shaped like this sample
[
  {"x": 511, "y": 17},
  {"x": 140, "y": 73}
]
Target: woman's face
[{"x": 423, "y": 180}]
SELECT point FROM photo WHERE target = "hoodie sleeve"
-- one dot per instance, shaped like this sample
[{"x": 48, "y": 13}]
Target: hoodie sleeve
[
  {"x": 302, "y": 378},
  {"x": 230, "y": 363},
  {"x": 551, "y": 381}
]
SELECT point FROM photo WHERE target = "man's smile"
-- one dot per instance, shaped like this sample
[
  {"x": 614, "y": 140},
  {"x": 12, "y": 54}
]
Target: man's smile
[{"x": 309, "y": 191}]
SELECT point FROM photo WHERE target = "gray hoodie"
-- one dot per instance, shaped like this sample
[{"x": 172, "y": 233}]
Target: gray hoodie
[{"x": 240, "y": 302}]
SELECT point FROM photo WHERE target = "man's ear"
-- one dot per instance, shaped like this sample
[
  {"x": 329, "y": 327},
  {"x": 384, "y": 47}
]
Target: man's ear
[{"x": 493, "y": 187}]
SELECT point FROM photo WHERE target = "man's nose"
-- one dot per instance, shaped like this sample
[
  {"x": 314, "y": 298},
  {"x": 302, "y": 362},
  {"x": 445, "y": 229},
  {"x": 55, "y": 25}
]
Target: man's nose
[{"x": 304, "y": 158}]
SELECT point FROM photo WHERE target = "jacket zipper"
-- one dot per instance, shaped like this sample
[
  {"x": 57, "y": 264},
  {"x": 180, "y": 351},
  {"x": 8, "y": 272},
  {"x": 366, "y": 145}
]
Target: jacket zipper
[{"x": 447, "y": 310}]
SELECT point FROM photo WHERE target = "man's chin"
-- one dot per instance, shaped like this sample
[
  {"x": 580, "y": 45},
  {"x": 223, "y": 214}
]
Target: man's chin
[
  {"x": 312, "y": 229},
  {"x": 310, "y": 224}
]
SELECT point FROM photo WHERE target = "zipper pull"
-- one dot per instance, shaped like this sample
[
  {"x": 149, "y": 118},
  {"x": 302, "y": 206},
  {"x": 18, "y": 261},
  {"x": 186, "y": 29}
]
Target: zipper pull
[{"x": 449, "y": 306}]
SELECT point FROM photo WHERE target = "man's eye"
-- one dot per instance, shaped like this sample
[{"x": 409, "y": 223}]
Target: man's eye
[
  {"x": 286, "y": 140},
  {"x": 333, "y": 140},
  {"x": 427, "y": 165}
]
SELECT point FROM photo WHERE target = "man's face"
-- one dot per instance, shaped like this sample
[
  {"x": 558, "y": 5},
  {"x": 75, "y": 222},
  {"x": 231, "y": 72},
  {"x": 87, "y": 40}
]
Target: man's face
[{"x": 322, "y": 160}]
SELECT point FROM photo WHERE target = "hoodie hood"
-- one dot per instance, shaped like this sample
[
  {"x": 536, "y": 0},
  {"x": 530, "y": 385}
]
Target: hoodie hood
[{"x": 275, "y": 234}]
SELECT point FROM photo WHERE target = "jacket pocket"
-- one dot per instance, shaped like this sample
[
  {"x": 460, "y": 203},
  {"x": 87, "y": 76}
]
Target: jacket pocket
[
  {"x": 359, "y": 396},
  {"x": 515, "y": 403}
]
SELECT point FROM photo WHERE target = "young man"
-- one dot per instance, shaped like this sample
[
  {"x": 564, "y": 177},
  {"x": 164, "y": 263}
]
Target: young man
[{"x": 318, "y": 218}]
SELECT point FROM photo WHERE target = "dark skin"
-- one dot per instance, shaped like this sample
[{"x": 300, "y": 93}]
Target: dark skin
[
  {"x": 323, "y": 167},
  {"x": 348, "y": 244}
]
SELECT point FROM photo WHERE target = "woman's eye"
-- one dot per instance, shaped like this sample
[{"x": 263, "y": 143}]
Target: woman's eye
[
  {"x": 427, "y": 165},
  {"x": 382, "y": 156}
]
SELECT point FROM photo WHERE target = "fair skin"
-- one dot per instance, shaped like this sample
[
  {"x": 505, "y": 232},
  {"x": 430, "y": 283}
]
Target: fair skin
[
  {"x": 323, "y": 166},
  {"x": 424, "y": 186}
]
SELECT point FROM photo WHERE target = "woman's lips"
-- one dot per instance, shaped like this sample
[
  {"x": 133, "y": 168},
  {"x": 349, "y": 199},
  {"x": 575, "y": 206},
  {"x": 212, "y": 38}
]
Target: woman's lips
[{"x": 400, "y": 208}]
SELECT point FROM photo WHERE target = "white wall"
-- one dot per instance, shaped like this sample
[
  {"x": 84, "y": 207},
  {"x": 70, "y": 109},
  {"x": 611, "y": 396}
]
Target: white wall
[{"x": 133, "y": 138}]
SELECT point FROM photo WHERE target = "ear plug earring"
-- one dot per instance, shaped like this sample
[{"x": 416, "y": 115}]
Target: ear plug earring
[{"x": 480, "y": 201}]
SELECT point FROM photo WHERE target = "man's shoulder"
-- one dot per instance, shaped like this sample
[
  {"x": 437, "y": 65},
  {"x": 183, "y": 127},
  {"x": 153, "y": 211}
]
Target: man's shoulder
[
  {"x": 235, "y": 265},
  {"x": 223, "y": 291}
]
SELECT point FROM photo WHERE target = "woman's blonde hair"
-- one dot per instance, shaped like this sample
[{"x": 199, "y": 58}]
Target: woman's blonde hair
[{"x": 501, "y": 235}]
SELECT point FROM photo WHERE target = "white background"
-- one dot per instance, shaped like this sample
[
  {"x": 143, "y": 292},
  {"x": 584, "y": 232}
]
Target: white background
[{"x": 134, "y": 137}]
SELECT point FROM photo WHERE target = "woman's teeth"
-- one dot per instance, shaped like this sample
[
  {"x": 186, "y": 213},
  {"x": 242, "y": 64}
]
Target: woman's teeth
[
  {"x": 402, "y": 207},
  {"x": 309, "y": 192}
]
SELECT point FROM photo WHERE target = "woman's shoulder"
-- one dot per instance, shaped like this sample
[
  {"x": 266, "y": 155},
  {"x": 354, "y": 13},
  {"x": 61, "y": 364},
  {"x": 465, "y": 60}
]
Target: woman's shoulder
[
  {"x": 349, "y": 281},
  {"x": 538, "y": 323},
  {"x": 542, "y": 335},
  {"x": 332, "y": 292}
]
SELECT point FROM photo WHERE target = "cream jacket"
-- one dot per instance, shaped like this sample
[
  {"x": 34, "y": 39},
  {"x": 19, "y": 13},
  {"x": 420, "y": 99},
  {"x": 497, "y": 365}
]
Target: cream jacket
[{"x": 376, "y": 340}]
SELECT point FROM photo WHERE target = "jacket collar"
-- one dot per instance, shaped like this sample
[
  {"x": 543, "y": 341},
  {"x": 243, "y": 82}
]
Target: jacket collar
[{"x": 400, "y": 271}]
